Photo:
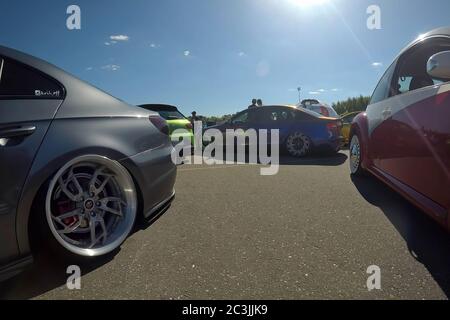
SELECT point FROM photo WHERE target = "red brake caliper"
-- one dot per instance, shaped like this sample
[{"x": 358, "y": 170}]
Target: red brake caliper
[{"x": 65, "y": 207}]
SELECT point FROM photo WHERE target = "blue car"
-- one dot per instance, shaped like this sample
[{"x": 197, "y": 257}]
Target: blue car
[{"x": 301, "y": 131}]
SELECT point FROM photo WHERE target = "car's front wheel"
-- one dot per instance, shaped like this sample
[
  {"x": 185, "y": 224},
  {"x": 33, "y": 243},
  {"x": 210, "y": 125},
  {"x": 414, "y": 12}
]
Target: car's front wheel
[
  {"x": 298, "y": 145},
  {"x": 91, "y": 206},
  {"x": 356, "y": 155}
]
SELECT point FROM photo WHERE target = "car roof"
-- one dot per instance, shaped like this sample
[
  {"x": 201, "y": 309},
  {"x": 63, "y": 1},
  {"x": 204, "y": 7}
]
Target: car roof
[{"x": 443, "y": 31}]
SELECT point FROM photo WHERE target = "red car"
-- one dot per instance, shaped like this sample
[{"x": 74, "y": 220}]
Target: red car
[{"x": 404, "y": 136}]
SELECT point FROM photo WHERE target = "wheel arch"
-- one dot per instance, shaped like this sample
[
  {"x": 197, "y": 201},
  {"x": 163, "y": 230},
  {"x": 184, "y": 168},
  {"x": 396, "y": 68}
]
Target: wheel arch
[{"x": 360, "y": 126}]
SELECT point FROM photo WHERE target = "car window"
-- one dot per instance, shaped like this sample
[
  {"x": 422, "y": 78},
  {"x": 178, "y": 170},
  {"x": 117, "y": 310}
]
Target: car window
[
  {"x": 171, "y": 115},
  {"x": 349, "y": 118},
  {"x": 411, "y": 73},
  {"x": 241, "y": 118},
  {"x": 279, "y": 115},
  {"x": 20, "y": 81},
  {"x": 383, "y": 88}
]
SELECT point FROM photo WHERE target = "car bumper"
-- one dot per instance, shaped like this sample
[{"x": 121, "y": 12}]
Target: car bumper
[
  {"x": 155, "y": 174},
  {"x": 333, "y": 145}
]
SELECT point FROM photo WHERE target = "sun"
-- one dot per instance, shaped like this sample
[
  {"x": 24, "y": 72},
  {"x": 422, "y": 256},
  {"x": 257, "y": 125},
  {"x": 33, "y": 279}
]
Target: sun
[{"x": 308, "y": 3}]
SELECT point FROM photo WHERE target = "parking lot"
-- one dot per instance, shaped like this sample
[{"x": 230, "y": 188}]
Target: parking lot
[{"x": 309, "y": 232}]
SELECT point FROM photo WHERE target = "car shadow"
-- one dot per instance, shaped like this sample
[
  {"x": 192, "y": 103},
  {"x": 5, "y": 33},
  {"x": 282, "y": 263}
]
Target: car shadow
[
  {"x": 427, "y": 242},
  {"x": 48, "y": 273},
  {"x": 286, "y": 160}
]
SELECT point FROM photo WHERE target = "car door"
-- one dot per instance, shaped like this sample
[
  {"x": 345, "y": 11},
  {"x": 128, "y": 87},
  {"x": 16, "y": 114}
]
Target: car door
[
  {"x": 413, "y": 140},
  {"x": 244, "y": 120},
  {"x": 28, "y": 103}
]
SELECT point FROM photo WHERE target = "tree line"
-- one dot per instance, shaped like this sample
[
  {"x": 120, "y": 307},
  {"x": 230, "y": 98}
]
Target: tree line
[{"x": 351, "y": 105}]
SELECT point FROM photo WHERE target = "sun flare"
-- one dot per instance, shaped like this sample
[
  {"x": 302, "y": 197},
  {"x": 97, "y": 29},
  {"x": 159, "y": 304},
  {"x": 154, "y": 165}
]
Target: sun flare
[{"x": 308, "y": 3}]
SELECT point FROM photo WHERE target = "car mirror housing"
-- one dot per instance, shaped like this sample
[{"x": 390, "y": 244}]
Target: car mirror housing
[{"x": 438, "y": 65}]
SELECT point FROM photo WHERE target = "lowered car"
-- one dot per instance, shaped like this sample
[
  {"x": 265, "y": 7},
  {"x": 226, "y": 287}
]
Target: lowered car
[
  {"x": 301, "y": 131},
  {"x": 78, "y": 167},
  {"x": 404, "y": 136},
  {"x": 175, "y": 120}
]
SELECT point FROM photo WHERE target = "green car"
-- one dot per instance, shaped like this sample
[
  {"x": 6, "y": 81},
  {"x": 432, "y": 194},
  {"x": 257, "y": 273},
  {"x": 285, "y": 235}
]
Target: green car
[{"x": 175, "y": 120}]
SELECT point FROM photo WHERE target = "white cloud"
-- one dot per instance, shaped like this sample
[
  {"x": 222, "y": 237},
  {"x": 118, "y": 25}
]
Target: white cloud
[
  {"x": 335, "y": 90},
  {"x": 314, "y": 93},
  {"x": 119, "y": 37},
  {"x": 377, "y": 64},
  {"x": 321, "y": 90},
  {"x": 107, "y": 43},
  {"x": 111, "y": 67},
  {"x": 155, "y": 45},
  {"x": 241, "y": 54},
  {"x": 89, "y": 68},
  {"x": 186, "y": 53}
]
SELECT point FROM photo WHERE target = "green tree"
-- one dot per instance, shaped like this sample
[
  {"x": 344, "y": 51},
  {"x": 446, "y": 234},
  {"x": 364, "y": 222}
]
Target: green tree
[{"x": 351, "y": 105}]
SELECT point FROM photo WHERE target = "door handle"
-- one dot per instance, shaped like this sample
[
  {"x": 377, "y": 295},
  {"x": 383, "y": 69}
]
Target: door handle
[{"x": 17, "y": 132}]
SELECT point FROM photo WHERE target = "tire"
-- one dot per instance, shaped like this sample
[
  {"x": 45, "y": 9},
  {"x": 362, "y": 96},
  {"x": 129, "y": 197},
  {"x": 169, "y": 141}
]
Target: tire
[
  {"x": 90, "y": 208},
  {"x": 356, "y": 156},
  {"x": 298, "y": 145}
]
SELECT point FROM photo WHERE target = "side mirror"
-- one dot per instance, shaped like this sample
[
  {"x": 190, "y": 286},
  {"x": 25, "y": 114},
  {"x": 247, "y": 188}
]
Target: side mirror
[{"x": 438, "y": 66}]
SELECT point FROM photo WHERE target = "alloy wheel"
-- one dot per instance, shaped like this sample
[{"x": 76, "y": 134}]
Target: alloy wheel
[
  {"x": 298, "y": 145},
  {"x": 355, "y": 155},
  {"x": 91, "y": 205}
]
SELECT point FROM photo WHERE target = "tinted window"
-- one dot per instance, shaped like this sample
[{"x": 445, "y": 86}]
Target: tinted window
[
  {"x": 382, "y": 91},
  {"x": 278, "y": 115},
  {"x": 20, "y": 81},
  {"x": 411, "y": 73},
  {"x": 240, "y": 118},
  {"x": 171, "y": 115}
]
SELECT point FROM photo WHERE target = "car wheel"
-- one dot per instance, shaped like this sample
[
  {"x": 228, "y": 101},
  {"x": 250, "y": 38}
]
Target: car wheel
[
  {"x": 298, "y": 145},
  {"x": 355, "y": 156},
  {"x": 90, "y": 206}
]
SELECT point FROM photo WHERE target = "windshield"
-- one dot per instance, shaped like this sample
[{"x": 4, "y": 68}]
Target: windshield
[{"x": 171, "y": 115}]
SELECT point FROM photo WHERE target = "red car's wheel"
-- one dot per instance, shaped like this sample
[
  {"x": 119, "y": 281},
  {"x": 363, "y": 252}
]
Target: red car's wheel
[{"x": 356, "y": 155}]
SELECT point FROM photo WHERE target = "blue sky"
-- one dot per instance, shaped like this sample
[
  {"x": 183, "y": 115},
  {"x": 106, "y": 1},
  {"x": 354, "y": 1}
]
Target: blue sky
[{"x": 215, "y": 55}]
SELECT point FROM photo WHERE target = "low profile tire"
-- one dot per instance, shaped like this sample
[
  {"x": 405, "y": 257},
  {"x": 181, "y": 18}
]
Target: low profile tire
[
  {"x": 356, "y": 156},
  {"x": 90, "y": 207},
  {"x": 298, "y": 145}
]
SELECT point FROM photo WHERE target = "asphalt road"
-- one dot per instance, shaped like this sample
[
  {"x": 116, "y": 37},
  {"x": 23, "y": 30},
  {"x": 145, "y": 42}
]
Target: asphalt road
[{"x": 309, "y": 232}]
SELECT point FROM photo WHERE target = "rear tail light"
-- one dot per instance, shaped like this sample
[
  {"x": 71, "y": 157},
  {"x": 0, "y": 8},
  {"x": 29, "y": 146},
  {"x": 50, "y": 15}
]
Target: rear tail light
[
  {"x": 160, "y": 124},
  {"x": 334, "y": 128}
]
